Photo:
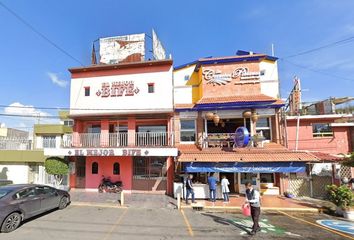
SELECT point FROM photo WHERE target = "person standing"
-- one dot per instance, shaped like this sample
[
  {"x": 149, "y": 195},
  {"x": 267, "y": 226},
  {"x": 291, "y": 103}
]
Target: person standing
[
  {"x": 253, "y": 198},
  {"x": 225, "y": 188},
  {"x": 189, "y": 188},
  {"x": 212, "y": 187}
]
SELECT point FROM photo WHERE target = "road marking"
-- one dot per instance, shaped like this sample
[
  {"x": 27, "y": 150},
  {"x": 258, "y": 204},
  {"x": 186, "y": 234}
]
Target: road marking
[
  {"x": 317, "y": 225},
  {"x": 115, "y": 225},
  {"x": 189, "y": 227}
]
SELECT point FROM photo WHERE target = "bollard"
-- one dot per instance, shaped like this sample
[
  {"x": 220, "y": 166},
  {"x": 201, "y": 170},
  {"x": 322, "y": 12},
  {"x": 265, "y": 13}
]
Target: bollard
[
  {"x": 122, "y": 198},
  {"x": 178, "y": 201}
]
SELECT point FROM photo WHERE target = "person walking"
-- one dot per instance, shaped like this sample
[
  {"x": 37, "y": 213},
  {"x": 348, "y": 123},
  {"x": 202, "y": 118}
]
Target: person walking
[
  {"x": 189, "y": 188},
  {"x": 225, "y": 188},
  {"x": 212, "y": 187},
  {"x": 253, "y": 198}
]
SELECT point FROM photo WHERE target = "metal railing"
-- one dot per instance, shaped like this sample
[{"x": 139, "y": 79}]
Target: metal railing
[
  {"x": 15, "y": 143},
  {"x": 151, "y": 139}
]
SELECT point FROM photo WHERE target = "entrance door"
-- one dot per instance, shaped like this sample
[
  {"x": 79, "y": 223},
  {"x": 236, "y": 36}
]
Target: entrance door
[
  {"x": 249, "y": 177},
  {"x": 149, "y": 173},
  {"x": 80, "y": 172}
]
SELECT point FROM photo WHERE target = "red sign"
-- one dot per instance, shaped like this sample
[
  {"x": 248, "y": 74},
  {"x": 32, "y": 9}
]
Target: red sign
[{"x": 117, "y": 89}]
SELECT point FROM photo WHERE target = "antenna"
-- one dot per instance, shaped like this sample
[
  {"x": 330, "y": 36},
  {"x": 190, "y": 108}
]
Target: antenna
[{"x": 272, "y": 49}]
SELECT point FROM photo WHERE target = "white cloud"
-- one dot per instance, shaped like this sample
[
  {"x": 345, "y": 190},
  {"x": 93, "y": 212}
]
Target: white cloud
[
  {"x": 55, "y": 79},
  {"x": 17, "y": 108}
]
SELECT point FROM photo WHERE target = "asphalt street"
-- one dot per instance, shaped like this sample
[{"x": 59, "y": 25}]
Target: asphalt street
[{"x": 103, "y": 223}]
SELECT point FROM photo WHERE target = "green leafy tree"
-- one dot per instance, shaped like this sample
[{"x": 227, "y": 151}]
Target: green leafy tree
[{"x": 58, "y": 167}]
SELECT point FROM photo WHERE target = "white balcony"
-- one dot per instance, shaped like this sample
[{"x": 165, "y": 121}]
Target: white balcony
[{"x": 117, "y": 140}]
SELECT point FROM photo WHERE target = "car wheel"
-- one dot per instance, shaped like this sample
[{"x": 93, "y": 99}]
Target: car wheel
[
  {"x": 63, "y": 202},
  {"x": 11, "y": 222}
]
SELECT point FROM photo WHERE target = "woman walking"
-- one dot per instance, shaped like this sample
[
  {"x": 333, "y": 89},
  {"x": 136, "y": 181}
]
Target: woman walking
[{"x": 225, "y": 188}]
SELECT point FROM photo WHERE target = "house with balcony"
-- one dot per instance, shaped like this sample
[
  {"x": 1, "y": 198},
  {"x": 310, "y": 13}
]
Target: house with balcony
[
  {"x": 228, "y": 121},
  {"x": 123, "y": 129},
  {"x": 19, "y": 162}
]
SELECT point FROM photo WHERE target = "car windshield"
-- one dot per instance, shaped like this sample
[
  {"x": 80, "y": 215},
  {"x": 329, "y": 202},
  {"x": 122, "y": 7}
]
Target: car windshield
[{"x": 4, "y": 192}]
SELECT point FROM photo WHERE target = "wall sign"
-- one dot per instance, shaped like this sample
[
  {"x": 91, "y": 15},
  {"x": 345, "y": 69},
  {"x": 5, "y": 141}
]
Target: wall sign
[
  {"x": 106, "y": 152},
  {"x": 117, "y": 89},
  {"x": 219, "y": 78},
  {"x": 242, "y": 137}
]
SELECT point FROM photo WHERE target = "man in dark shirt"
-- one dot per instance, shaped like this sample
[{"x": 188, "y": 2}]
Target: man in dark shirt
[{"x": 189, "y": 188}]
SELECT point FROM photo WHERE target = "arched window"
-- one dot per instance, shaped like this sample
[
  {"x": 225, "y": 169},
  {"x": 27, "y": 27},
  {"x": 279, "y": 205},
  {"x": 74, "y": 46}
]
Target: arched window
[
  {"x": 116, "y": 169},
  {"x": 94, "y": 169}
]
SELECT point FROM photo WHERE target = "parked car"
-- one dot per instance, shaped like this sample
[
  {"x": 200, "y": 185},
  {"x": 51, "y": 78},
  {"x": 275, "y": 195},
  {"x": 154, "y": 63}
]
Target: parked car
[{"x": 22, "y": 201}]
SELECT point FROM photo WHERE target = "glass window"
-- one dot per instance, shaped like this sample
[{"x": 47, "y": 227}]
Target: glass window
[
  {"x": 49, "y": 141},
  {"x": 322, "y": 130},
  {"x": 68, "y": 123},
  {"x": 116, "y": 169},
  {"x": 186, "y": 77},
  {"x": 45, "y": 190},
  {"x": 263, "y": 128},
  {"x": 94, "y": 169},
  {"x": 151, "y": 88},
  {"x": 187, "y": 130},
  {"x": 29, "y": 192},
  {"x": 4, "y": 192},
  {"x": 87, "y": 91},
  {"x": 267, "y": 177},
  {"x": 249, "y": 177}
]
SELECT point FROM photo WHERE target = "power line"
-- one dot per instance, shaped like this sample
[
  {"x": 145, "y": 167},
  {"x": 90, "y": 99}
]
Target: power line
[
  {"x": 27, "y": 24},
  {"x": 28, "y": 116},
  {"x": 318, "y": 71},
  {"x": 343, "y": 41}
]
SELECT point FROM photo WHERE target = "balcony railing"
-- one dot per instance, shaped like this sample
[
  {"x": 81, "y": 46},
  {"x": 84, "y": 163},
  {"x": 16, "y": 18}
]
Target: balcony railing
[
  {"x": 15, "y": 144},
  {"x": 227, "y": 140},
  {"x": 151, "y": 139}
]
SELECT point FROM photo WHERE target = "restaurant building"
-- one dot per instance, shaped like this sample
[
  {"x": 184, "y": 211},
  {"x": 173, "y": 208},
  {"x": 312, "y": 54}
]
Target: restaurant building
[
  {"x": 213, "y": 98},
  {"x": 122, "y": 109}
]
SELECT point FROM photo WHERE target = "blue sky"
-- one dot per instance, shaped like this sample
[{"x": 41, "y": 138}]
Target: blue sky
[{"x": 34, "y": 73}]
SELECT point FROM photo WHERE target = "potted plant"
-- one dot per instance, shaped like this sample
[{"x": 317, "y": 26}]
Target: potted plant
[{"x": 342, "y": 197}]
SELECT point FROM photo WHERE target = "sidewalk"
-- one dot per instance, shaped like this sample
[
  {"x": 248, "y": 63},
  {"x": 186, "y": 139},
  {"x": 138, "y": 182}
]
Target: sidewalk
[
  {"x": 135, "y": 200},
  {"x": 275, "y": 203}
]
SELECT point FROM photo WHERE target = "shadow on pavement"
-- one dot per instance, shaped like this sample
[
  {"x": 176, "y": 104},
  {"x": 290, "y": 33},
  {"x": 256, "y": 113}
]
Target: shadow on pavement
[{"x": 225, "y": 221}]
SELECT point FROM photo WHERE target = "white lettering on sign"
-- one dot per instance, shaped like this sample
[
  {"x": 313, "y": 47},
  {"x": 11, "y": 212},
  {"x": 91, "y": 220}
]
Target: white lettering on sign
[
  {"x": 217, "y": 78},
  {"x": 117, "y": 89}
]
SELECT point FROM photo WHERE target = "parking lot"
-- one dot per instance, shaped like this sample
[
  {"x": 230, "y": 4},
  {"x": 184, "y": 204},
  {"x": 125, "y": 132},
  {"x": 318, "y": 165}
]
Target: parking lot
[{"x": 103, "y": 223}]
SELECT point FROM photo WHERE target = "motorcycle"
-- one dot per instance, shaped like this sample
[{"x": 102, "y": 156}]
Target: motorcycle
[{"x": 107, "y": 185}]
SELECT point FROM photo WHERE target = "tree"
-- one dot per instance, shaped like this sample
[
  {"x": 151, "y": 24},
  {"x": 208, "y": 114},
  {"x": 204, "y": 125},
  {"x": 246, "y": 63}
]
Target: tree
[
  {"x": 58, "y": 167},
  {"x": 349, "y": 161}
]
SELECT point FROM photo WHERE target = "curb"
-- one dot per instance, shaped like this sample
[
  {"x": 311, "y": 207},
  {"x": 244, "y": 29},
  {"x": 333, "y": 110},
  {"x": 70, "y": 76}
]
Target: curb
[
  {"x": 238, "y": 209},
  {"x": 91, "y": 204}
]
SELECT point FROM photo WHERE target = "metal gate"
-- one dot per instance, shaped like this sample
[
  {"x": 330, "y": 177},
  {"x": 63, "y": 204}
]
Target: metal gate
[{"x": 149, "y": 174}]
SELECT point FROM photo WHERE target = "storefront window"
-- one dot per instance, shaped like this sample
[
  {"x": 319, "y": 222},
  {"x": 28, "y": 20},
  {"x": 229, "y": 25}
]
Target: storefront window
[
  {"x": 263, "y": 128},
  {"x": 249, "y": 177},
  {"x": 267, "y": 177},
  {"x": 94, "y": 169},
  {"x": 187, "y": 130},
  {"x": 116, "y": 169}
]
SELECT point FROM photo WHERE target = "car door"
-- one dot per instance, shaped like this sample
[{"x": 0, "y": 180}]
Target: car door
[
  {"x": 28, "y": 201},
  {"x": 49, "y": 197}
]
